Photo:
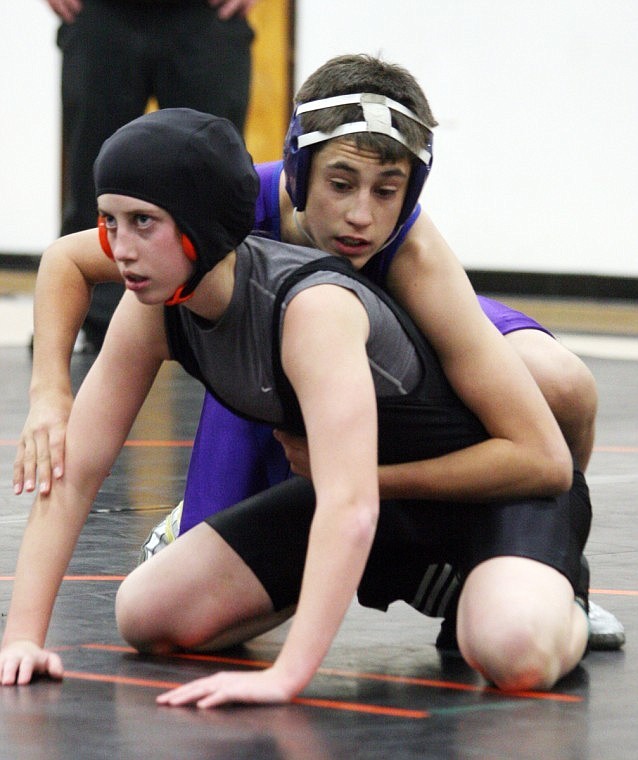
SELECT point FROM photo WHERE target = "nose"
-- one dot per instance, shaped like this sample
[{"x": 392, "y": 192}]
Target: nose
[
  {"x": 359, "y": 212},
  {"x": 122, "y": 245}
]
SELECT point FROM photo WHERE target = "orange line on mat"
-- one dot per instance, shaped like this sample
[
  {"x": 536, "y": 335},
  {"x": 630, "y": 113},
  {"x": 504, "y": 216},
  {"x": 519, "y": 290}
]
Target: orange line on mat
[
  {"x": 614, "y": 591},
  {"x": 408, "y": 680},
  {"x": 121, "y": 679},
  {"x": 395, "y": 712}
]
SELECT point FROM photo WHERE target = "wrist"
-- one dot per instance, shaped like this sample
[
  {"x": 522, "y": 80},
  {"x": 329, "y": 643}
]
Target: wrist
[
  {"x": 291, "y": 681},
  {"x": 45, "y": 388}
]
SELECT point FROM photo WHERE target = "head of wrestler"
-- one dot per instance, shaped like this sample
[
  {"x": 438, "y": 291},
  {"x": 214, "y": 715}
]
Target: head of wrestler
[
  {"x": 357, "y": 154},
  {"x": 176, "y": 193}
]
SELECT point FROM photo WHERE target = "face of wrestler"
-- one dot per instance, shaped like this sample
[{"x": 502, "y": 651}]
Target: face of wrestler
[
  {"x": 146, "y": 246},
  {"x": 353, "y": 201}
]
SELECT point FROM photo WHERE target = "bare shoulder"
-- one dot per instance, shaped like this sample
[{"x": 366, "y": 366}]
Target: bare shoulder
[
  {"x": 424, "y": 244},
  {"x": 323, "y": 305}
]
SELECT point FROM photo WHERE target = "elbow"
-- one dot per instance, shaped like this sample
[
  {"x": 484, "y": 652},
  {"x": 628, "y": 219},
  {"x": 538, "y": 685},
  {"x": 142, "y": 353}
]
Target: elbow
[
  {"x": 361, "y": 524},
  {"x": 558, "y": 472}
]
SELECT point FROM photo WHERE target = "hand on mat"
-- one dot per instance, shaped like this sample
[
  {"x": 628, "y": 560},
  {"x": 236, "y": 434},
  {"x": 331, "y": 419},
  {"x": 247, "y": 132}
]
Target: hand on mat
[
  {"x": 21, "y": 660},
  {"x": 40, "y": 454},
  {"x": 296, "y": 451},
  {"x": 264, "y": 687}
]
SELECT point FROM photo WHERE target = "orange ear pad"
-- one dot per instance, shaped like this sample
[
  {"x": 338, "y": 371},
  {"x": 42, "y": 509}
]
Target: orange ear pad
[
  {"x": 104, "y": 237},
  {"x": 188, "y": 248}
]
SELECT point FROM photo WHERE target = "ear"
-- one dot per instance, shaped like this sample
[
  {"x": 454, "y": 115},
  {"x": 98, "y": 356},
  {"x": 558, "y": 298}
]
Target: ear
[{"x": 103, "y": 235}]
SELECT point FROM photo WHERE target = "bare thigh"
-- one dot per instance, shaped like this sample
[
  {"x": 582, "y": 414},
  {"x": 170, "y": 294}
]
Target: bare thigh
[
  {"x": 190, "y": 593},
  {"x": 567, "y": 384}
]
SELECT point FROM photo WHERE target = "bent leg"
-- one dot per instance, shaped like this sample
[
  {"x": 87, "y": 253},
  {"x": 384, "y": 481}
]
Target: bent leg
[
  {"x": 519, "y": 624},
  {"x": 209, "y": 598},
  {"x": 567, "y": 384}
]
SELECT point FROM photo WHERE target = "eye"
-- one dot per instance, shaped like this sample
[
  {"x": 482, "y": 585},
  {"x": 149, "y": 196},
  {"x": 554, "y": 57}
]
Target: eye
[
  {"x": 143, "y": 220},
  {"x": 339, "y": 185},
  {"x": 387, "y": 191},
  {"x": 109, "y": 221}
]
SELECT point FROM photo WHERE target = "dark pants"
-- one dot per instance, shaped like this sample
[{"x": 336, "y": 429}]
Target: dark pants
[{"x": 118, "y": 54}]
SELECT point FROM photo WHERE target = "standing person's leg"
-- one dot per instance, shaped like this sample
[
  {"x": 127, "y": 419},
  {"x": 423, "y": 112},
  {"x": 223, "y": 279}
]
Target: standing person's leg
[
  {"x": 103, "y": 87},
  {"x": 202, "y": 62}
]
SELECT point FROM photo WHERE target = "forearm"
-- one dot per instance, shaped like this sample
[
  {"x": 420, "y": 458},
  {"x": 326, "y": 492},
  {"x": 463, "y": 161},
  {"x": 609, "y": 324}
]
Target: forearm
[
  {"x": 56, "y": 519},
  {"x": 69, "y": 269},
  {"x": 47, "y": 546},
  {"x": 338, "y": 550},
  {"x": 102, "y": 414},
  {"x": 62, "y": 298},
  {"x": 489, "y": 471}
]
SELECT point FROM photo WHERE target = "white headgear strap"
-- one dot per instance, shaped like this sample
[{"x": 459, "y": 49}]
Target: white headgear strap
[{"x": 377, "y": 118}]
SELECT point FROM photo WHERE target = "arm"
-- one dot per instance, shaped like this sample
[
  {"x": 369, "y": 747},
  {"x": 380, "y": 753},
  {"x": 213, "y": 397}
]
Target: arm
[
  {"x": 102, "y": 415},
  {"x": 68, "y": 270},
  {"x": 526, "y": 454},
  {"x": 331, "y": 377},
  {"x": 329, "y": 370}
]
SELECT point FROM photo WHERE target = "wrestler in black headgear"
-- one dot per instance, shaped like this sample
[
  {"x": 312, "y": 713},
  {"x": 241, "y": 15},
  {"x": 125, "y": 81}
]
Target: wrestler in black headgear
[{"x": 193, "y": 165}]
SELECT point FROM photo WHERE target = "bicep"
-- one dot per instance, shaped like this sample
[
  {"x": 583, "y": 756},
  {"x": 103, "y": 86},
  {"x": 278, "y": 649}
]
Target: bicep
[{"x": 323, "y": 353}]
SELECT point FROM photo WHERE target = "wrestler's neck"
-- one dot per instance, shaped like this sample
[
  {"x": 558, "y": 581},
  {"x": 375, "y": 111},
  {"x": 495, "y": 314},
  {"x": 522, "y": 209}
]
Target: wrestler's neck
[{"x": 212, "y": 296}]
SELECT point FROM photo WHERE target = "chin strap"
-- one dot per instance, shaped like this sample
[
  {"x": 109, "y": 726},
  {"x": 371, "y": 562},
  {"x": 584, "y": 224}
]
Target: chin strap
[{"x": 177, "y": 296}]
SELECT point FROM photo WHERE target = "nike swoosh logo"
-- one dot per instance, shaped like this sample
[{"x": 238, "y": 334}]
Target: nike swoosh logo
[{"x": 266, "y": 388}]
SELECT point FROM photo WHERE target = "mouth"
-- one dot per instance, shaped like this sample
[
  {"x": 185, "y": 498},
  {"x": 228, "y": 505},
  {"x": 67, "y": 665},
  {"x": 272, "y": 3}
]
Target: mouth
[
  {"x": 134, "y": 281},
  {"x": 352, "y": 246}
]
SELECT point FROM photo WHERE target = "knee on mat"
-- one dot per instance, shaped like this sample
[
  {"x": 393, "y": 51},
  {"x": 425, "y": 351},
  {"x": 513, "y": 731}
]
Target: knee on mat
[
  {"x": 513, "y": 658},
  {"x": 136, "y": 615}
]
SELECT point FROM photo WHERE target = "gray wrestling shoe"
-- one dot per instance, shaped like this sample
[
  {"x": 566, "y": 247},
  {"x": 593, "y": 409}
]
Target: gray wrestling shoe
[
  {"x": 163, "y": 534},
  {"x": 606, "y": 632}
]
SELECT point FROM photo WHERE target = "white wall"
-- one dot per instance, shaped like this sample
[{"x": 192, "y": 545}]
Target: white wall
[
  {"x": 536, "y": 155},
  {"x": 29, "y": 127},
  {"x": 536, "y": 159}
]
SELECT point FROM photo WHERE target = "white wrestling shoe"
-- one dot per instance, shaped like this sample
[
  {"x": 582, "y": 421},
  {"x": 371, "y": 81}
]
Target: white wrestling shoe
[
  {"x": 606, "y": 632},
  {"x": 163, "y": 534}
]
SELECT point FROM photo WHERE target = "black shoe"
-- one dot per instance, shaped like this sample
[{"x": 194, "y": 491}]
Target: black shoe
[{"x": 446, "y": 641}]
